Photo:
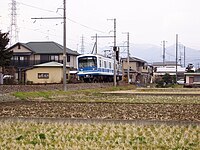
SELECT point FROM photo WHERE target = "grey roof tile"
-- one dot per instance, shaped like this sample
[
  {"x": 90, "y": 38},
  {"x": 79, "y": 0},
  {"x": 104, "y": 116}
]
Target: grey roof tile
[{"x": 48, "y": 48}]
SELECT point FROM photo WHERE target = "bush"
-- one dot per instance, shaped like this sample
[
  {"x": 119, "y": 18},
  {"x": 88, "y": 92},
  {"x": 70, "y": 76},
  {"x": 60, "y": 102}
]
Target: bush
[{"x": 165, "y": 81}]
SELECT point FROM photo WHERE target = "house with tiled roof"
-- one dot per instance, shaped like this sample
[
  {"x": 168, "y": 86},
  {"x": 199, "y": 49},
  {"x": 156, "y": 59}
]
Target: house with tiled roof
[
  {"x": 139, "y": 70},
  {"x": 27, "y": 55}
]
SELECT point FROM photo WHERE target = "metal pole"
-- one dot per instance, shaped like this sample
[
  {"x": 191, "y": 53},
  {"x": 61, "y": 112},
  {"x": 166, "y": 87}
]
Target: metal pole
[
  {"x": 114, "y": 52},
  {"x": 64, "y": 46},
  {"x": 96, "y": 45},
  {"x": 163, "y": 53},
  {"x": 128, "y": 58},
  {"x": 184, "y": 56},
  {"x": 115, "y": 83},
  {"x": 176, "y": 56}
]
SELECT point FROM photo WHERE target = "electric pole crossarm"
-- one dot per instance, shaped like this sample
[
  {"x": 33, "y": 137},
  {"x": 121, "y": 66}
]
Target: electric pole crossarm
[
  {"x": 102, "y": 36},
  {"x": 48, "y": 18}
]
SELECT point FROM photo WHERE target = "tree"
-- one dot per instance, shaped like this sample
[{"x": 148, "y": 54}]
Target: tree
[
  {"x": 5, "y": 54},
  {"x": 190, "y": 68},
  {"x": 166, "y": 81}
]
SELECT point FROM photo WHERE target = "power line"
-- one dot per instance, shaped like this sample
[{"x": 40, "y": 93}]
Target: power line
[
  {"x": 85, "y": 26},
  {"x": 28, "y": 5},
  {"x": 36, "y": 7}
]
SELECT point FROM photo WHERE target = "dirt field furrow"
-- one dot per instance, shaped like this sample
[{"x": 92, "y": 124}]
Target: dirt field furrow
[{"x": 124, "y": 111}]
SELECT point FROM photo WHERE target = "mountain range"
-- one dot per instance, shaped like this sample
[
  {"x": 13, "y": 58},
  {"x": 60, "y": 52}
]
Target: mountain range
[{"x": 153, "y": 53}]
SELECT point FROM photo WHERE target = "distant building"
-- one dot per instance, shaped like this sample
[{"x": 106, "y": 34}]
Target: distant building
[
  {"x": 192, "y": 79},
  {"x": 167, "y": 63},
  {"x": 140, "y": 71},
  {"x": 170, "y": 68}
]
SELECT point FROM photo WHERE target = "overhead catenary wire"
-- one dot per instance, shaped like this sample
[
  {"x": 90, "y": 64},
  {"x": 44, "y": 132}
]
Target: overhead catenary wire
[
  {"x": 36, "y": 7},
  {"x": 73, "y": 21}
]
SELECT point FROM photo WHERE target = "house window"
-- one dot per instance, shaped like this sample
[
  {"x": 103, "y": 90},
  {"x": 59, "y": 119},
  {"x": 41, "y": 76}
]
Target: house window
[
  {"x": 54, "y": 58},
  {"x": 44, "y": 58},
  {"x": 197, "y": 79},
  {"x": 68, "y": 58},
  {"x": 145, "y": 67},
  {"x": 15, "y": 58},
  {"x": 21, "y": 58},
  {"x": 43, "y": 75}
]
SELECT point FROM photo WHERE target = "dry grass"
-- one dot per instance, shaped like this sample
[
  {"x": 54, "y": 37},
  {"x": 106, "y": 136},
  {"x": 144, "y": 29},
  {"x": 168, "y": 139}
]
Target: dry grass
[{"x": 30, "y": 135}]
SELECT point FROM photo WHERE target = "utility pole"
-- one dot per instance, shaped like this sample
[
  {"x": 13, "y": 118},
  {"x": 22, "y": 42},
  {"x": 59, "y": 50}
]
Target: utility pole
[
  {"x": 115, "y": 83},
  {"x": 64, "y": 41},
  {"x": 114, "y": 49},
  {"x": 164, "y": 53},
  {"x": 184, "y": 55},
  {"x": 176, "y": 56},
  {"x": 128, "y": 58},
  {"x": 82, "y": 45},
  {"x": 96, "y": 43},
  {"x": 64, "y": 44},
  {"x": 180, "y": 59}
]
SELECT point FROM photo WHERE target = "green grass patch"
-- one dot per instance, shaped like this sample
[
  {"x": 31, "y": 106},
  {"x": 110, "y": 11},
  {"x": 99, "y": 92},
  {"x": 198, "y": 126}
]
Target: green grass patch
[
  {"x": 53, "y": 94},
  {"x": 95, "y": 95},
  {"x": 33, "y": 95}
]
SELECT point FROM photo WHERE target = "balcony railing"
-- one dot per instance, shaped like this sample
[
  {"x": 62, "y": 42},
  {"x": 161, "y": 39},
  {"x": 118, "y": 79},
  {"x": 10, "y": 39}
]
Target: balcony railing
[{"x": 28, "y": 63}]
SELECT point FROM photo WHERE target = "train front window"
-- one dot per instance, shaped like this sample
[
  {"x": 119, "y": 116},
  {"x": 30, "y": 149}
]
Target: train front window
[{"x": 87, "y": 62}]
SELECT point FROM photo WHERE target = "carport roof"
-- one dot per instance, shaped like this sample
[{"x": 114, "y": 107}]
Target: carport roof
[{"x": 50, "y": 64}]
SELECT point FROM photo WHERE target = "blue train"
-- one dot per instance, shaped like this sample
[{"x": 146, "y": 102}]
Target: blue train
[{"x": 97, "y": 68}]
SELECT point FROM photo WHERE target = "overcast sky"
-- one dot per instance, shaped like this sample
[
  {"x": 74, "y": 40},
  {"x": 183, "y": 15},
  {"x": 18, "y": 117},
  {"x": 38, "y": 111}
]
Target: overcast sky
[{"x": 148, "y": 21}]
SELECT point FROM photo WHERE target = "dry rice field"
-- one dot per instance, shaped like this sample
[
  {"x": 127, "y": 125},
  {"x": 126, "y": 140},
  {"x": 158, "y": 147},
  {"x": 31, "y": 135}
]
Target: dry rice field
[{"x": 174, "y": 119}]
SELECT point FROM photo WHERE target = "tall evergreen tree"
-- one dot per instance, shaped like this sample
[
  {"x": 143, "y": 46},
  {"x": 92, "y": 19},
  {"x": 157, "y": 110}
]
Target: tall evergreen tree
[{"x": 5, "y": 54}]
